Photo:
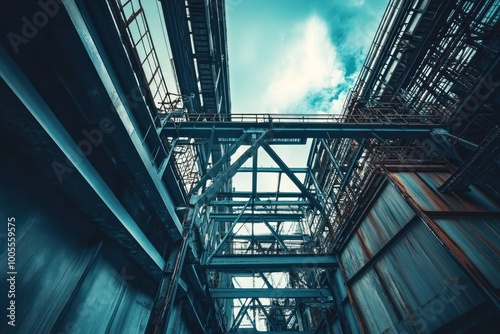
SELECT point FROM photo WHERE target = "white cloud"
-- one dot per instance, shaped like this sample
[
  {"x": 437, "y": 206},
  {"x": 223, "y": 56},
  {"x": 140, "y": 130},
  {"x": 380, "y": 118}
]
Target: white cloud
[{"x": 308, "y": 64}]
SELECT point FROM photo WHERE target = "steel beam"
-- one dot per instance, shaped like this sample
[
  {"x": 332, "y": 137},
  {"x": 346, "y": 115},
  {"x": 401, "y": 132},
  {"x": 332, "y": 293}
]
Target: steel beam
[
  {"x": 259, "y": 203},
  {"x": 21, "y": 86},
  {"x": 268, "y": 262},
  {"x": 274, "y": 233},
  {"x": 269, "y": 293},
  {"x": 123, "y": 110},
  {"x": 269, "y": 237},
  {"x": 226, "y": 175},
  {"x": 247, "y": 217},
  {"x": 296, "y": 130},
  {"x": 478, "y": 164},
  {"x": 229, "y": 231},
  {"x": 292, "y": 177},
  {"x": 272, "y": 170},
  {"x": 261, "y": 194},
  {"x": 219, "y": 165},
  {"x": 253, "y": 331}
]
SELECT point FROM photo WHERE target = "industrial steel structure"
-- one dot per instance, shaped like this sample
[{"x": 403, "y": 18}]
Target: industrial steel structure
[{"x": 121, "y": 172}]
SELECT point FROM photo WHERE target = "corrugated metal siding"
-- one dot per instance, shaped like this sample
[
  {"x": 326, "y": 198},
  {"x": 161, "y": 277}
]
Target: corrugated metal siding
[
  {"x": 479, "y": 239},
  {"x": 353, "y": 257},
  {"x": 351, "y": 318},
  {"x": 340, "y": 284},
  {"x": 107, "y": 296},
  {"x": 387, "y": 216},
  {"x": 422, "y": 187},
  {"x": 65, "y": 281},
  {"x": 336, "y": 328},
  {"x": 416, "y": 286}
]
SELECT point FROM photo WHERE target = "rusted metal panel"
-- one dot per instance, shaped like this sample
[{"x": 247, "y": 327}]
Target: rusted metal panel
[
  {"x": 339, "y": 280},
  {"x": 353, "y": 256},
  {"x": 351, "y": 318},
  {"x": 422, "y": 187},
  {"x": 416, "y": 286},
  {"x": 479, "y": 239},
  {"x": 373, "y": 303},
  {"x": 473, "y": 200},
  {"x": 425, "y": 197},
  {"x": 427, "y": 287},
  {"x": 387, "y": 216}
]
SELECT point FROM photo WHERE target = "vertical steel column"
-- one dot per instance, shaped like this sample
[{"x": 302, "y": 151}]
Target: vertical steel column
[{"x": 164, "y": 301}]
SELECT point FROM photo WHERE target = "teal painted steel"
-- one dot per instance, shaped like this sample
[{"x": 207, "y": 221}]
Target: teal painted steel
[
  {"x": 270, "y": 262},
  {"x": 479, "y": 238},
  {"x": 70, "y": 277},
  {"x": 269, "y": 293},
  {"x": 401, "y": 277},
  {"x": 388, "y": 215}
]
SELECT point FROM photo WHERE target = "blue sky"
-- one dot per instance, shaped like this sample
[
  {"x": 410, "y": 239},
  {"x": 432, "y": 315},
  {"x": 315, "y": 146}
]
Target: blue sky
[{"x": 297, "y": 56}]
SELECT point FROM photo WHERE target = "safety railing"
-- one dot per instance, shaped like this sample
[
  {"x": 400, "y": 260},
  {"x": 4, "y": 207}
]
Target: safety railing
[{"x": 375, "y": 116}]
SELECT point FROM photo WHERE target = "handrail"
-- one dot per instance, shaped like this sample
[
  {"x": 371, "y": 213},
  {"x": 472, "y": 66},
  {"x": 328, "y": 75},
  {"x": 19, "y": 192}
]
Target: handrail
[{"x": 375, "y": 117}]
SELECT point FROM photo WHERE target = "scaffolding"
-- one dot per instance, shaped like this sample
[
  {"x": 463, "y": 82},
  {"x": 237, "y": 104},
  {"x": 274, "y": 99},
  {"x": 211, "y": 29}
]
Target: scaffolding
[{"x": 429, "y": 75}]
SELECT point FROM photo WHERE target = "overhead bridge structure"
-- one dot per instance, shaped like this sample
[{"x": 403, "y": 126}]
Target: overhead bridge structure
[{"x": 136, "y": 201}]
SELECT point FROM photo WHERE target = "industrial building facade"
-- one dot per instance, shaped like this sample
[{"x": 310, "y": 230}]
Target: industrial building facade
[{"x": 118, "y": 200}]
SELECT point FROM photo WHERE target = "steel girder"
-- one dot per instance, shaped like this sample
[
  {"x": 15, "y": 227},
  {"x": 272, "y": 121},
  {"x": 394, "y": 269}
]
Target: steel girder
[
  {"x": 267, "y": 262},
  {"x": 288, "y": 131},
  {"x": 269, "y": 293}
]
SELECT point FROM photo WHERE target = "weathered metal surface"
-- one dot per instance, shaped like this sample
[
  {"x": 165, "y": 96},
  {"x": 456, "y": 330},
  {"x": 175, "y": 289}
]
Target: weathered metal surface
[
  {"x": 422, "y": 187},
  {"x": 353, "y": 257},
  {"x": 351, "y": 318},
  {"x": 69, "y": 277},
  {"x": 339, "y": 280},
  {"x": 415, "y": 285},
  {"x": 388, "y": 214},
  {"x": 479, "y": 239},
  {"x": 472, "y": 200},
  {"x": 269, "y": 262}
]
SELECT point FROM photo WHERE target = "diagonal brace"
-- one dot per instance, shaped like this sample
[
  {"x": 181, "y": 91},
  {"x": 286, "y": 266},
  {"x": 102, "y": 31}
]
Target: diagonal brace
[
  {"x": 229, "y": 231},
  {"x": 292, "y": 176},
  {"x": 226, "y": 175},
  {"x": 274, "y": 233},
  {"x": 226, "y": 158}
]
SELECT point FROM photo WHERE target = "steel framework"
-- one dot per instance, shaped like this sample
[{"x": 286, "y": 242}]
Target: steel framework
[{"x": 424, "y": 95}]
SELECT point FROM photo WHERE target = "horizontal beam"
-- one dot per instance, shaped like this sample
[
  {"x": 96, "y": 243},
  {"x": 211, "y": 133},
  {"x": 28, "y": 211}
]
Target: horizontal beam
[
  {"x": 272, "y": 170},
  {"x": 254, "y": 331},
  {"x": 229, "y": 131},
  {"x": 260, "y": 203},
  {"x": 27, "y": 93},
  {"x": 477, "y": 165},
  {"x": 269, "y": 293},
  {"x": 263, "y": 194},
  {"x": 270, "y": 237},
  {"x": 247, "y": 217},
  {"x": 285, "y": 262}
]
